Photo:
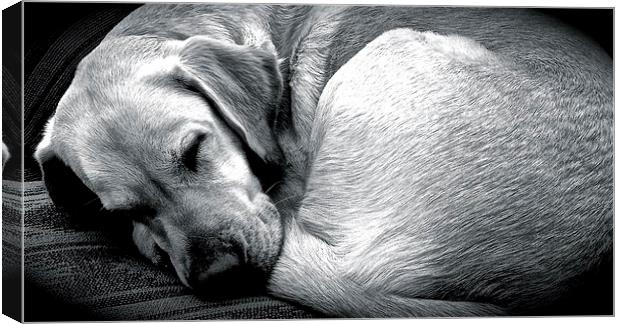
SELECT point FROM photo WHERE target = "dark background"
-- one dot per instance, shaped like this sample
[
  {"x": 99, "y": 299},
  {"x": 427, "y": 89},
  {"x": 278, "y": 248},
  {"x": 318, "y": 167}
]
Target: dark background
[
  {"x": 56, "y": 17},
  {"x": 46, "y": 24}
]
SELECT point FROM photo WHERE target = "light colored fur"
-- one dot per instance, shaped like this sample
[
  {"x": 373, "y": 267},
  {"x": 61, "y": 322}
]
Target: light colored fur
[
  {"x": 132, "y": 157},
  {"x": 5, "y": 154},
  {"x": 457, "y": 186},
  {"x": 463, "y": 171}
]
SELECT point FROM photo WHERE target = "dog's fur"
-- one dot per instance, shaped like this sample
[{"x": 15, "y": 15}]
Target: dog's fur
[
  {"x": 5, "y": 154},
  {"x": 435, "y": 161}
]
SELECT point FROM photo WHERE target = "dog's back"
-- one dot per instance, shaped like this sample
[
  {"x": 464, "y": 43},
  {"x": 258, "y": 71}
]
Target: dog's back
[{"x": 473, "y": 169}]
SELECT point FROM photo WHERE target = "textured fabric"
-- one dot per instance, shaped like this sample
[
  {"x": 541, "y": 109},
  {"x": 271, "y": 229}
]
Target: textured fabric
[
  {"x": 101, "y": 277},
  {"x": 11, "y": 251}
]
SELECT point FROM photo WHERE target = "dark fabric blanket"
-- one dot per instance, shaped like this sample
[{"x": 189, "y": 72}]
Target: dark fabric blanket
[{"x": 73, "y": 272}]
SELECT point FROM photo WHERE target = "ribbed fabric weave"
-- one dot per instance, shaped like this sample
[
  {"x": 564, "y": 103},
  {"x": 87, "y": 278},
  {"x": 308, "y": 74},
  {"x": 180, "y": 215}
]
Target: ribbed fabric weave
[{"x": 92, "y": 271}]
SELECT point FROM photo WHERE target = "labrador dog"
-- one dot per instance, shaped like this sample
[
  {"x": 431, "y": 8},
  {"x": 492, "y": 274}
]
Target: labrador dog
[{"x": 424, "y": 161}]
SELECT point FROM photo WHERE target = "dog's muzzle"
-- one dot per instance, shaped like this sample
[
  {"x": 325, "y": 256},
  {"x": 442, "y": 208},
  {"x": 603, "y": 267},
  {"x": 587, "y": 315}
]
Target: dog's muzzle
[
  {"x": 219, "y": 270},
  {"x": 212, "y": 261}
]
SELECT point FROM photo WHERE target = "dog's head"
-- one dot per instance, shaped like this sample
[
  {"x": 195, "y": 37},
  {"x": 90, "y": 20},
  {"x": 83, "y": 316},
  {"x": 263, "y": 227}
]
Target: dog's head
[{"x": 163, "y": 136}]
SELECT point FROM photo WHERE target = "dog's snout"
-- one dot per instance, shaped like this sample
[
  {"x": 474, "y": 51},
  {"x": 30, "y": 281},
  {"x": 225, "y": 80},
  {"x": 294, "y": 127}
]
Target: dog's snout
[
  {"x": 218, "y": 267},
  {"x": 212, "y": 263}
]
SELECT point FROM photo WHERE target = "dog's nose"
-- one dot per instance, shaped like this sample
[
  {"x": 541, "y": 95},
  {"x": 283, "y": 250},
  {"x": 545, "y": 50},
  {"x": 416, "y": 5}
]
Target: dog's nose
[
  {"x": 211, "y": 266},
  {"x": 219, "y": 266}
]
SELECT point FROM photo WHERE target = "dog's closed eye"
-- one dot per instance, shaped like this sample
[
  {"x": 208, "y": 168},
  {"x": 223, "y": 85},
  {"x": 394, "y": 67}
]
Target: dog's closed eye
[{"x": 189, "y": 157}]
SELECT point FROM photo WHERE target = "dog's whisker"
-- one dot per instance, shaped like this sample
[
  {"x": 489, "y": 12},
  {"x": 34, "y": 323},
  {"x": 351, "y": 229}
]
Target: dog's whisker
[
  {"x": 89, "y": 202},
  {"x": 99, "y": 212},
  {"x": 284, "y": 199},
  {"x": 273, "y": 186}
]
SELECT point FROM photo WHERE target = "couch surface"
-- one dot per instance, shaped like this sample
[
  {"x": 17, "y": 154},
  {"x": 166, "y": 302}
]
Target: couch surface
[{"x": 75, "y": 271}]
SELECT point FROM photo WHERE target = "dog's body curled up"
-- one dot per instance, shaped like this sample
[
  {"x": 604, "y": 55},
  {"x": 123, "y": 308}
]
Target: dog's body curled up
[{"x": 435, "y": 161}]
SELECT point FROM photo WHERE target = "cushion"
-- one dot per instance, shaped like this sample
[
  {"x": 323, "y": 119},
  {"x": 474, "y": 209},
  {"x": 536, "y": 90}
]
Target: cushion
[{"x": 77, "y": 272}]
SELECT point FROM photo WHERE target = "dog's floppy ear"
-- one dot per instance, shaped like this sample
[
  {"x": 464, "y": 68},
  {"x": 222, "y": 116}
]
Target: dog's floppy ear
[
  {"x": 244, "y": 84},
  {"x": 63, "y": 186}
]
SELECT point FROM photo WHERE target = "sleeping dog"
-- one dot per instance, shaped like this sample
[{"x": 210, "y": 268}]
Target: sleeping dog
[{"x": 429, "y": 161}]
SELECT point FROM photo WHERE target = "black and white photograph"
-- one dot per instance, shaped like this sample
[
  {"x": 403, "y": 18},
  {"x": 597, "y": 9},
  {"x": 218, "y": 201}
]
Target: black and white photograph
[{"x": 218, "y": 161}]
